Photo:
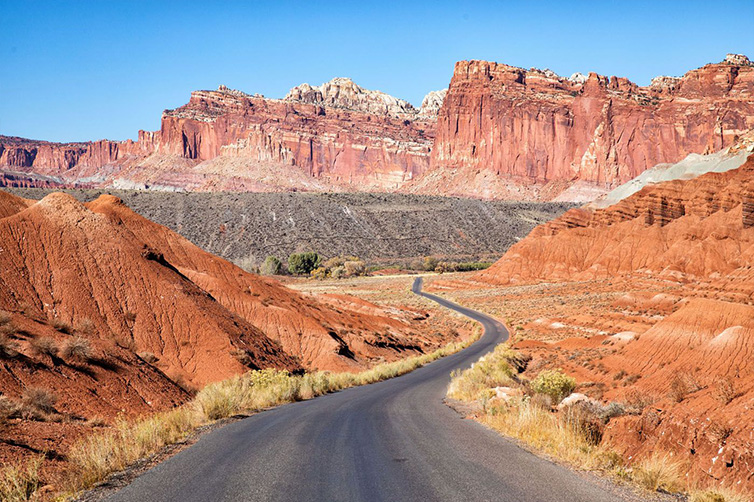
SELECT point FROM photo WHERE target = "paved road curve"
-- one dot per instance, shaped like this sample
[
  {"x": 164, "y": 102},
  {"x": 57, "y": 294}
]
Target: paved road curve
[{"x": 393, "y": 440}]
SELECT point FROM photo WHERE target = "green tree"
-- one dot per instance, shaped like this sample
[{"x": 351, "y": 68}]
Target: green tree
[
  {"x": 271, "y": 266},
  {"x": 303, "y": 263}
]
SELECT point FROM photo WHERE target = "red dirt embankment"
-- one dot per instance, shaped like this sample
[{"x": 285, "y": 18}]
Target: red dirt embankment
[{"x": 660, "y": 289}]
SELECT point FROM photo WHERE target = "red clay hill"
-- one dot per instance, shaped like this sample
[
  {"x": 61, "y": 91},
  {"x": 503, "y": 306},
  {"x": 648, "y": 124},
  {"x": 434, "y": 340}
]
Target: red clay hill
[
  {"x": 661, "y": 285},
  {"x": 500, "y": 132},
  {"x": 118, "y": 278}
]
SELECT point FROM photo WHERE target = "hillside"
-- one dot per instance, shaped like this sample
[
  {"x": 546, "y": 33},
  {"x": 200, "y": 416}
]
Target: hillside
[
  {"x": 105, "y": 315},
  {"x": 380, "y": 228},
  {"x": 647, "y": 302}
]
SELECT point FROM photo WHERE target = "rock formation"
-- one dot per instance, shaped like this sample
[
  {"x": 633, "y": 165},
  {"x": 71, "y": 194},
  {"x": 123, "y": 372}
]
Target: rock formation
[
  {"x": 658, "y": 289},
  {"x": 332, "y": 137},
  {"x": 432, "y": 103},
  {"x": 506, "y": 131},
  {"x": 344, "y": 93},
  {"x": 502, "y": 132},
  {"x": 695, "y": 228}
]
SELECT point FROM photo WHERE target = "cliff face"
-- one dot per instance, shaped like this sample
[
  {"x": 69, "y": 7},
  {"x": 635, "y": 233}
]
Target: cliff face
[
  {"x": 332, "y": 134},
  {"x": 497, "y": 132},
  {"x": 534, "y": 127},
  {"x": 338, "y": 135}
]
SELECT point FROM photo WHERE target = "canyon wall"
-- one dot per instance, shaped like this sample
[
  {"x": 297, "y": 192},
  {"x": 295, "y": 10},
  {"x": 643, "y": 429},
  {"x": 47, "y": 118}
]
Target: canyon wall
[
  {"x": 497, "y": 132},
  {"x": 503, "y": 126},
  {"x": 337, "y": 137},
  {"x": 338, "y": 134}
]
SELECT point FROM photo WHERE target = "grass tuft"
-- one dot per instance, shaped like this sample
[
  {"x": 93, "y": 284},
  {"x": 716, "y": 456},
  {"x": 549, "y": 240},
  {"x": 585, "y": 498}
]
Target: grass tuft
[
  {"x": 62, "y": 326},
  {"x": 659, "y": 472},
  {"x": 78, "y": 350},
  {"x": 8, "y": 346},
  {"x": 19, "y": 482},
  {"x": 492, "y": 370},
  {"x": 38, "y": 403},
  {"x": 45, "y": 346},
  {"x": 717, "y": 495}
]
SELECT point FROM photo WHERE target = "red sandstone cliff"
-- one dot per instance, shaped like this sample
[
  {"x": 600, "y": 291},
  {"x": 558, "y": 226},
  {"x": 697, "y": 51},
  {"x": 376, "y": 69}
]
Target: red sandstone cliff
[
  {"x": 506, "y": 131},
  {"x": 343, "y": 144},
  {"x": 502, "y": 132},
  {"x": 325, "y": 137}
]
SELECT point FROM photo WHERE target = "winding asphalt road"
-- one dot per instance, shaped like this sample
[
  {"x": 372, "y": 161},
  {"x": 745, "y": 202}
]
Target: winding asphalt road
[{"x": 392, "y": 440}]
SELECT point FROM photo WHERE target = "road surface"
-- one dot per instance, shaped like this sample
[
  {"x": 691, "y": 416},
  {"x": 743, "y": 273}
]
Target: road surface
[{"x": 393, "y": 440}]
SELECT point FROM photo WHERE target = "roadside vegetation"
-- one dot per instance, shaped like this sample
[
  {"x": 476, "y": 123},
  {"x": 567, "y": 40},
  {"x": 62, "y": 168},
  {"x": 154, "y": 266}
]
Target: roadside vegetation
[
  {"x": 344, "y": 266},
  {"x": 546, "y": 415},
  {"x": 113, "y": 449}
]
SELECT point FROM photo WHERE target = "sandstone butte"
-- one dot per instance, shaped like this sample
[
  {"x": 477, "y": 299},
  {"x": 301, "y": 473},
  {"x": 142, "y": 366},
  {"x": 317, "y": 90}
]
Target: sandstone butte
[
  {"x": 499, "y": 132},
  {"x": 684, "y": 250}
]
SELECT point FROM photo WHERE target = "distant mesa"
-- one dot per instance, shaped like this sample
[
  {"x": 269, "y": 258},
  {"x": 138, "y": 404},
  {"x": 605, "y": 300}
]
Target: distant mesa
[{"x": 497, "y": 132}]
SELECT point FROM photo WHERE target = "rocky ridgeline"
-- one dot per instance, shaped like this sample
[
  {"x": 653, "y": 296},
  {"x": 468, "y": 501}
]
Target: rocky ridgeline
[
  {"x": 498, "y": 131},
  {"x": 344, "y": 93},
  {"x": 432, "y": 103}
]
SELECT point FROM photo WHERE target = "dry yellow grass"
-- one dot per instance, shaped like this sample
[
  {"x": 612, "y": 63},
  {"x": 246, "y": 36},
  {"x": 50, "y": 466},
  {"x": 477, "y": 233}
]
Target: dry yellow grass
[
  {"x": 19, "y": 482},
  {"x": 717, "y": 495},
  {"x": 660, "y": 471},
  {"x": 541, "y": 429},
  {"x": 491, "y": 371},
  {"x": 563, "y": 435}
]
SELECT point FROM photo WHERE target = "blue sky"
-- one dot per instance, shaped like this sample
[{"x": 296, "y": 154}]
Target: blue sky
[{"x": 75, "y": 71}]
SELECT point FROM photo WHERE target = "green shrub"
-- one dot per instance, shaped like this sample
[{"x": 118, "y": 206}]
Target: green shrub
[
  {"x": 472, "y": 265},
  {"x": 319, "y": 273},
  {"x": 553, "y": 383},
  {"x": 303, "y": 263},
  {"x": 271, "y": 266},
  {"x": 429, "y": 263}
]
